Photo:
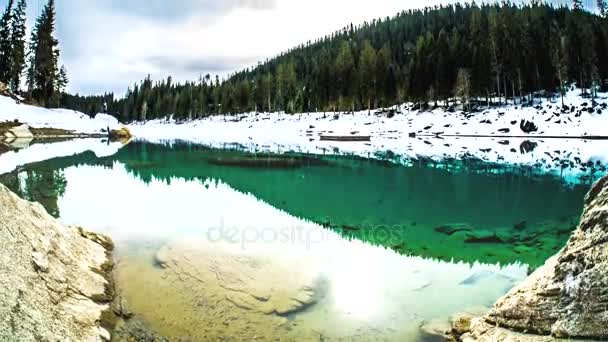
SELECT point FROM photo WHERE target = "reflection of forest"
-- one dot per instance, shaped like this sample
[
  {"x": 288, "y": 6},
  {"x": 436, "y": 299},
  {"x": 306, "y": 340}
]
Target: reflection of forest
[
  {"x": 44, "y": 186},
  {"x": 375, "y": 201}
]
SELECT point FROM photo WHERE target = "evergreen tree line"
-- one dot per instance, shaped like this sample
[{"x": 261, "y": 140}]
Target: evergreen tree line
[
  {"x": 37, "y": 61},
  {"x": 490, "y": 54}
]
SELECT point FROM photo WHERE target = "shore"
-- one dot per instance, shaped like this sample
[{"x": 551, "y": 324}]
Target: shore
[{"x": 56, "y": 283}]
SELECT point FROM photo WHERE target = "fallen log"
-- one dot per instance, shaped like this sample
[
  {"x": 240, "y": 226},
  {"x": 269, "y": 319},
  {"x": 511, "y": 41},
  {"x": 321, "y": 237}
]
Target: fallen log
[{"x": 345, "y": 138}]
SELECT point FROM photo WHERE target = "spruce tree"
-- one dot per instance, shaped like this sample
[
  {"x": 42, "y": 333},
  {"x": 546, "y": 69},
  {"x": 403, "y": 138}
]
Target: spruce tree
[
  {"x": 18, "y": 46},
  {"x": 602, "y": 7},
  {"x": 62, "y": 80},
  {"x": 367, "y": 73},
  {"x": 43, "y": 72},
  {"x": 344, "y": 66},
  {"x": 5, "y": 43}
]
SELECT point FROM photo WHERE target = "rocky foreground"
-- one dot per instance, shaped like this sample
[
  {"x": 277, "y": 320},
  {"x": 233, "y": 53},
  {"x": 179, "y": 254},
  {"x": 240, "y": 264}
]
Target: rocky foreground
[
  {"x": 566, "y": 298},
  {"x": 55, "y": 281}
]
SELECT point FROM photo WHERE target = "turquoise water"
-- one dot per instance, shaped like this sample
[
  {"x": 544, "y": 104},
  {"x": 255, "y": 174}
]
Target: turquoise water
[{"x": 362, "y": 245}]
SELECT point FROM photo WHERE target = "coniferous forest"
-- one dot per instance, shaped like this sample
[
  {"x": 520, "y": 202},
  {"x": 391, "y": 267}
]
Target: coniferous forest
[
  {"x": 476, "y": 54},
  {"x": 35, "y": 62}
]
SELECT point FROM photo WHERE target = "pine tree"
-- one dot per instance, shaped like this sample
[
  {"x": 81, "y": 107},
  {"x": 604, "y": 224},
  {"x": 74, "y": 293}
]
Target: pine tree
[
  {"x": 577, "y": 4},
  {"x": 602, "y": 7},
  {"x": 5, "y": 43},
  {"x": 62, "y": 80},
  {"x": 345, "y": 64},
  {"x": 463, "y": 88},
  {"x": 367, "y": 73},
  {"x": 559, "y": 56},
  {"x": 18, "y": 46},
  {"x": 43, "y": 71},
  {"x": 383, "y": 63}
]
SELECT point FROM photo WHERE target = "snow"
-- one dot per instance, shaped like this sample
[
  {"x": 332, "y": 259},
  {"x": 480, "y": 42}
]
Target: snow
[
  {"x": 70, "y": 120},
  {"x": 439, "y": 134},
  {"x": 11, "y": 160}
]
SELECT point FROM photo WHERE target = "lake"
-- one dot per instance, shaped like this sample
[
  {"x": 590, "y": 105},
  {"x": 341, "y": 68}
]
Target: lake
[{"x": 226, "y": 244}]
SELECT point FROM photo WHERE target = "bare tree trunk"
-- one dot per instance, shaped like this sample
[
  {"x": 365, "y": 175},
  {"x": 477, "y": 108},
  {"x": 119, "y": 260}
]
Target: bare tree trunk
[
  {"x": 521, "y": 91},
  {"x": 269, "y": 105},
  {"x": 504, "y": 83},
  {"x": 513, "y": 89},
  {"x": 498, "y": 87},
  {"x": 488, "y": 98}
]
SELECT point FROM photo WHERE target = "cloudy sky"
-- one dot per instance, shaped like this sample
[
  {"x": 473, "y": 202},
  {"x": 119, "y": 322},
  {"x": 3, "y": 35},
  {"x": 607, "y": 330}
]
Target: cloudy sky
[{"x": 108, "y": 45}]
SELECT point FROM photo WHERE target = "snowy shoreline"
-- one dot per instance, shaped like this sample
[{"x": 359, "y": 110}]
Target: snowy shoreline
[{"x": 570, "y": 142}]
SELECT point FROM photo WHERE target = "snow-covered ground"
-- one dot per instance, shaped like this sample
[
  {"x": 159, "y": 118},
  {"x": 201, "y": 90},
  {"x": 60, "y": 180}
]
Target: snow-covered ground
[
  {"x": 54, "y": 118},
  {"x": 439, "y": 134}
]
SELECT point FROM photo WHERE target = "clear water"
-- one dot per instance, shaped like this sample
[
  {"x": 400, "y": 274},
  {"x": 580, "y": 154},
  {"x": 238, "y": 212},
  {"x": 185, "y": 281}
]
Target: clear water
[{"x": 223, "y": 244}]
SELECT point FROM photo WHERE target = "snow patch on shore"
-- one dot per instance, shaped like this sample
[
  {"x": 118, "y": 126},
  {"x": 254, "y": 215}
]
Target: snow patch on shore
[{"x": 69, "y": 120}]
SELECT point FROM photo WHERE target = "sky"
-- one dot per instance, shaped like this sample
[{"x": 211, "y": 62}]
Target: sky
[{"x": 108, "y": 45}]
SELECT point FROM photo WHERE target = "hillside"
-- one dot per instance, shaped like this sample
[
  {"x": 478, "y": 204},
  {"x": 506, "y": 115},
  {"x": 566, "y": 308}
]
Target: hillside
[{"x": 479, "y": 55}]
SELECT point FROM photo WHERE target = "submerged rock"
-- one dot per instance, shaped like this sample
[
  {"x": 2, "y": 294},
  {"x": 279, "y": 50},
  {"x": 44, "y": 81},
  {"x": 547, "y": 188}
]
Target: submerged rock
[
  {"x": 483, "y": 236},
  {"x": 136, "y": 330},
  {"x": 451, "y": 229},
  {"x": 567, "y": 297},
  {"x": 436, "y": 330},
  {"x": 246, "y": 281},
  {"x": 55, "y": 282}
]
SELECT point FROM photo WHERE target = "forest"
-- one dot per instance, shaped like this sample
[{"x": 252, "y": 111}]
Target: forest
[
  {"x": 37, "y": 60},
  {"x": 489, "y": 54}
]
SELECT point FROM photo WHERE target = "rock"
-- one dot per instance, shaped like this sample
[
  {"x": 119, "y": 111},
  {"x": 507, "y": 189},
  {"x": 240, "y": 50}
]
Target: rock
[
  {"x": 565, "y": 298},
  {"x": 482, "y": 236},
  {"x": 121, "y": 307},
  {"x": 451, "y": 229},
  {"x": 55, "y": 283},
  {"x": 120, "y": 134},
  {"x": 504, "y": 130},
  {"x": 521, "y": 225},
  {"x": 523, "y": 249},
  {"x": 481, "y": 331},
  {"x": 436, "y": 330},
  {"x": 528, "y": 126},
  {"x": 19, "y": 132},
  {"x": 41, "y": 262},
  {"x": 136, "y": 330},
  {"x": 17, "y": 144},
  {"x": 461, "y": 323},
  {"x": 527, "y": 147},
  {"x": 242, "y": 278}
]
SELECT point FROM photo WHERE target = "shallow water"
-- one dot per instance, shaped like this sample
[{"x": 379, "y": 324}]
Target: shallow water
[{"x": 222, "y": 244}]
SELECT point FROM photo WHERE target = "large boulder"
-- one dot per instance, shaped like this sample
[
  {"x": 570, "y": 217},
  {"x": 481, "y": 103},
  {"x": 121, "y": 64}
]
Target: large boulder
[
  {"x": 19, "y": 132},
  {"x": 55, "y": 282},
  {"x": 568, "y": 296},
  {"x": 121, "y": 134}
]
